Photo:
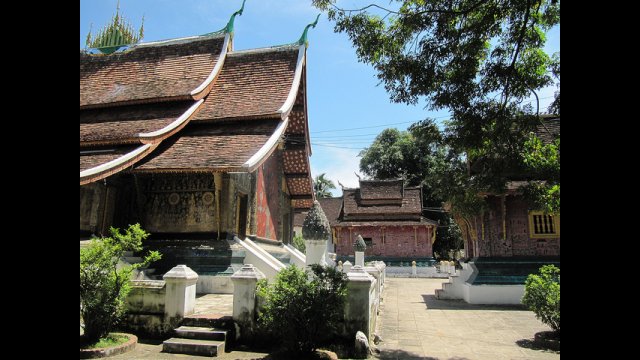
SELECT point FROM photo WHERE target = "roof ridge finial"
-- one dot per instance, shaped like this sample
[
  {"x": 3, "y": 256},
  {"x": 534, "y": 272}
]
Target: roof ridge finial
[
  {"x": 229, "y": 27},
  {"x": 303, "y": 38}
]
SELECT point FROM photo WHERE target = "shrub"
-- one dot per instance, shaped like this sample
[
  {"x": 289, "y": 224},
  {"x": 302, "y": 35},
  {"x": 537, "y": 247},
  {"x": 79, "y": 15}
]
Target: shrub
[
  {"x": 542, "y": 295},
  {"x": 302, "y": 313},
  {"x": 298, "y": 243},
  {"x": 104, "y": 287}
]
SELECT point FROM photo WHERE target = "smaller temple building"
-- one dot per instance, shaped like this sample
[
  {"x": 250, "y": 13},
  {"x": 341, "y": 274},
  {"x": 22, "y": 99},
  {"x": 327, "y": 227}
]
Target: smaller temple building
[{"x": 389, "y": 218}]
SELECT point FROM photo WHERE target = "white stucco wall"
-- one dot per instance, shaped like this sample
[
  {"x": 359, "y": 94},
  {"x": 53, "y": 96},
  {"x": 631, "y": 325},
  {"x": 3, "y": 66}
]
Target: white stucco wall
[{"x": 209, "y": 284}]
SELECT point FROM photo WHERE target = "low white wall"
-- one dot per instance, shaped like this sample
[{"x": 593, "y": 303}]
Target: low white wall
[
  {"x": 493, "y": 294},
  {"x": 209, "y": 284},
  {"x": 361, "y": 305},
  {"x": 145, "y": 308},
  {"x": 146, "y": 296}
]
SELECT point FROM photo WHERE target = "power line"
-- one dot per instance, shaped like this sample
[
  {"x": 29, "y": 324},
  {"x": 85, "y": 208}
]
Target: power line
[
  {"x": 364, "y": 127},
  {"x": 339, "y": 147},
  {"x": 335, "y": 136}
]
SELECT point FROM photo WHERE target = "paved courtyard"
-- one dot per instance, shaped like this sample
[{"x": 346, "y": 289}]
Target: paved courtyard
[{"x": 413, "y": 324}]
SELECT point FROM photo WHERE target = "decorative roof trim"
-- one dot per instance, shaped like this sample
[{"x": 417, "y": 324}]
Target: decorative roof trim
[
  {"x": 229, "y": 27},
  {"x": 285, "y": 109},
  {"x": 168, "y": 41},
  {"x": 199, "y": 92},
  {"x": 266, "y": 149},
  {"x": 102, "y": 171},
  {"x": 303, "y": 39},
  {"x": 182, "y": 120}
]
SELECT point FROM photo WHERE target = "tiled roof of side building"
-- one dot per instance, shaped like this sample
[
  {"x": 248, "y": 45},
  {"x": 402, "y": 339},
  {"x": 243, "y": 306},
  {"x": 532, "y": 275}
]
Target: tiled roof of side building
[
  {"x": 252, "y": 84},
  {"x": 124, "y": 123},
  {"x": 381, "y": 189},
  {"x": 223, "y": 147},
  {"x": 298, "y": 218},
  {"x": 331, "y": 208},
  {"x": 411, "y": 204},
  {"x": 171, "y": 70},
  {"x": 95, "y": 157}
]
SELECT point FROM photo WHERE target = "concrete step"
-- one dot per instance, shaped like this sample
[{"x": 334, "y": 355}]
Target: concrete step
[
  {"x": 193, "y": 346},
  {"x": 209, "y": 320},
  {"x": 201, "y": 333},
  {"x": 446, "y": 286},
  {"x": 442, "y": 294}
]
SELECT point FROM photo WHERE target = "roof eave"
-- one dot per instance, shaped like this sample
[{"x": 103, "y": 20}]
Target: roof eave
[
  {"x": 267, "y": 149},
  {"x": 203, "y": 89},
  {"x": 285, "y": 109},
  {"x": 116, "y": 165}
]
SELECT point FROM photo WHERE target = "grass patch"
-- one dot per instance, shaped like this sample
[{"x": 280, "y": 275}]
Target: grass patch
[{"x": 105, "y": 342}]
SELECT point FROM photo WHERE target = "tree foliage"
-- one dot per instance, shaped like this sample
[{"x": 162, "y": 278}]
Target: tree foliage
[
  {"x": 104, "y": 286},
  {"x": 479, "y": 59},
  {"x": 542, "y": 295},
  {"x": 298, "y": 243},
  {"x": 322, "y": 185},
  {"x": 303, "y": 313}
]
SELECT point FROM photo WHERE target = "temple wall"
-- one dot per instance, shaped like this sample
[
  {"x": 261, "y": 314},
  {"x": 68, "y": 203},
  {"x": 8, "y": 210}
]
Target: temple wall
[
  {"x": 399, "y": 241},
  {"x": 489, "y": 235},
  {"x": 178, "y": 202},
  {"x": 235, "y": 187},
  {"x": 270, "y": 207},
  {"x": 90, "y": 210}
]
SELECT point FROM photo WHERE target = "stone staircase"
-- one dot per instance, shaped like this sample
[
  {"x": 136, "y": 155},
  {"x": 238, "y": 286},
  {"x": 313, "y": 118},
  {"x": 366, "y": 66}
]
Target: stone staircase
[
  {"x": 200, "y": 335},
  {"x": 453, "y": 288},
  {"x": 204, "y": 256},
  {"x": 276, "y": 251}
]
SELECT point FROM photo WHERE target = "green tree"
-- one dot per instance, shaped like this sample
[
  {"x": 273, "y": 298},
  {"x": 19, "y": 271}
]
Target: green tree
[
  {"x": 298, "y": 243},
  {"x": 322, "y": 185},
  {"x": 542, "y": 295},
  {"x": 479, "y": 59},
  {"x": 104, "y": 286},
  {"x": 300, "y": 313}
]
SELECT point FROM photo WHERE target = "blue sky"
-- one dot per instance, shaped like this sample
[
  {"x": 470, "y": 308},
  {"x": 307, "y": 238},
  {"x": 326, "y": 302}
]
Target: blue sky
[{"x": 342, "y": 93}]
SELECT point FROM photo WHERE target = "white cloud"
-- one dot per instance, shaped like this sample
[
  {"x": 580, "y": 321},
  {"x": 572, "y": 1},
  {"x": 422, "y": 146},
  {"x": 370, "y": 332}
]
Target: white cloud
[{"x": 338, "y": 165}]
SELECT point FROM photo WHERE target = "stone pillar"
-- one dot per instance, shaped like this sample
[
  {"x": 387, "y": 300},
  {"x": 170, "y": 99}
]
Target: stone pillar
[
  {"x": 244, "y": 298},
  {"x": 340, "y": 265},
  {"x": 346, "y": 267},
  {"x": 316, "y": 251},
  {"x": 414, "y": 270},
  {"x": 358, "y": 312},
  {"x": 180, "y": 297},
  {"x": 360, "y": 258}
]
